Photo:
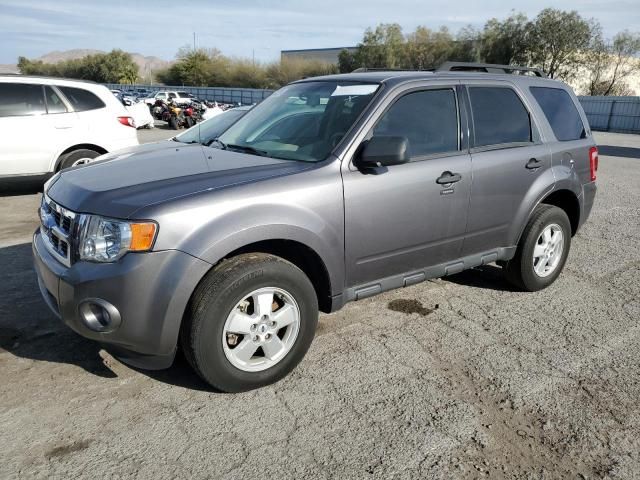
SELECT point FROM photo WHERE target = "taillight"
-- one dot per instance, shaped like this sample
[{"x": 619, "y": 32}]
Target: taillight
[
  {"x": 128, "y": 121},
  {"x": 593, "y": 162}
]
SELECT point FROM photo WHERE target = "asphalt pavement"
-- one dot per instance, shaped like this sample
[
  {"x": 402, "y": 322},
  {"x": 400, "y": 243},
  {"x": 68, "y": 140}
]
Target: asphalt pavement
[{"x": 460, "y": 377}]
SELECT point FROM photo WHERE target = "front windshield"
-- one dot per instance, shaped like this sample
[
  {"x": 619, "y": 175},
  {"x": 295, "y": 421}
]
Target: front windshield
[
  {"x": 303, "y": 121},
  {"x": 207, "y": 131}
]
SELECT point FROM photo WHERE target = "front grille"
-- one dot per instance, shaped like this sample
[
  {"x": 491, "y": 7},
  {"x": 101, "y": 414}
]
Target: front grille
[{"x": 57, "y": 226}]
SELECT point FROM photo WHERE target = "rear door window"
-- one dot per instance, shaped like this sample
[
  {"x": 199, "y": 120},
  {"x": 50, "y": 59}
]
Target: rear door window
[
  {"x": 499, "y": 116},
  {"x": 21, "y": 99},
  {"x": 82, "y": 100},
  {"x": 54, "y": 102},
  {"x": 428, "y": 118},
  {"x": 561, "y": 113}
]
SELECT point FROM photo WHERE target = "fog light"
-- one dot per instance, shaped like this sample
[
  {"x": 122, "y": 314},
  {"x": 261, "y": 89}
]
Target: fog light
[{"x": 99, "y": 315}]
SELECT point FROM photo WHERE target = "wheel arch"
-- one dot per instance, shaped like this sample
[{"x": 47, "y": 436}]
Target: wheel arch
[
  {"x": 302, "y": 256},
  {"x": 568, "y": 201},
  {"x": 79, "y": 146}
]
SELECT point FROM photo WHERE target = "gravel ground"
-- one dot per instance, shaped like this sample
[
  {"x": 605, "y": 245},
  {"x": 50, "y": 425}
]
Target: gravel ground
[{"x": 454, "y": 378}]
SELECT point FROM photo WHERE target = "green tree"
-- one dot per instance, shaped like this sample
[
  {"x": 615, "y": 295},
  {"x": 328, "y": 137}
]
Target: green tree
[
  {"x": 113, "y": 67},
  {"x": 505, "y": 42},
  {"x": 382, "y": 47},
  {"x": 559, "y": 41},
  {"x": 426, "y": 48},
  {"x": 467, "y": 45},
  {"x": 346, "y": 61}
]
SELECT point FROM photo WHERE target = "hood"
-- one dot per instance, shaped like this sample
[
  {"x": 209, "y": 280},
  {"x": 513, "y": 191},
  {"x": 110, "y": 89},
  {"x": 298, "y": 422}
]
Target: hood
[
  {"x": 117, "y": 186},
  {"x": 146, "y": 147}
]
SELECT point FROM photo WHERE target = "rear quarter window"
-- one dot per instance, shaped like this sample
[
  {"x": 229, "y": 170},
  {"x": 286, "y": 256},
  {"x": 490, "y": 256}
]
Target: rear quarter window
[
  {"x": 561, "y": 113},
  {"x": 82, "y": 100},
  {"x": 21, "y": 99},
  {"x": 499, "y": 116}
]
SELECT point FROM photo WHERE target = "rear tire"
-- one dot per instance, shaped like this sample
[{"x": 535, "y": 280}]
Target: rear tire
[
  {"x": 77, "y": 157},
  {"x": 542, "y": 251},
  {"x": 228, "y": 291},
  {"x": 173, "y": 123}
]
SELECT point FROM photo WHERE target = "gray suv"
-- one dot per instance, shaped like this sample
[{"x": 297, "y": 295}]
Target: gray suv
[{"x": 333, "y": 189}]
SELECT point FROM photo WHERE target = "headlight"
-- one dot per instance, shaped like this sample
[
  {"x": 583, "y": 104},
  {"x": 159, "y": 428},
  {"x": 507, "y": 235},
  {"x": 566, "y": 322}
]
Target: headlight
[{"x": 107, "y": 240}]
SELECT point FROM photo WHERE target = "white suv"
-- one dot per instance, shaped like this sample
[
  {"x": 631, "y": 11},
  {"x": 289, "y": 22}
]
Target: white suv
[
  {"x": 48, "y": 124},
  {"x": 179, "y": 98}
]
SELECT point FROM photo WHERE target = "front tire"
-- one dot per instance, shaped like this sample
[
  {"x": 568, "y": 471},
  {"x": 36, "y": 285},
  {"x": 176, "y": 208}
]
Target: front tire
[
  {"x": 250, "y": 322},
  {"x": 542, "y": 251}
]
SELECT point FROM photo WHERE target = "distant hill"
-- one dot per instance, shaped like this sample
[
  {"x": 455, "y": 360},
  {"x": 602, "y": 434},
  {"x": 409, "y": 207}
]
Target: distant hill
[{"x": 147, "y": 65}]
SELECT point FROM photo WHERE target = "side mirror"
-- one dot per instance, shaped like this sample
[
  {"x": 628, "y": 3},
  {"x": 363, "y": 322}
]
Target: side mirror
[{"x": 384, "y": 152}]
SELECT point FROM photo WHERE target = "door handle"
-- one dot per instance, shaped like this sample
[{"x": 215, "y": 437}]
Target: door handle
[
  {"x": 533, "y": 164},
  {"x": 448, "y": 177}
]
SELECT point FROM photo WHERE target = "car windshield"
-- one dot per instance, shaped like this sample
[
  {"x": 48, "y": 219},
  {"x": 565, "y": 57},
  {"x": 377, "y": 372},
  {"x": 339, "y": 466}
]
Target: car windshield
[
  {"x": 303, "y": 121},
  {"x": 209, "y": 130}
]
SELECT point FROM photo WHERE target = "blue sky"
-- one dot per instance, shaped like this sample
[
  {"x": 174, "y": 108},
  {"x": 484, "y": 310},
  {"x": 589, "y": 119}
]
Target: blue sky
[{"x": 245, "y": 27}]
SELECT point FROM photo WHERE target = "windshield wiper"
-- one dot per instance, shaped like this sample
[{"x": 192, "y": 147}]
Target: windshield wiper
[
  {"x": 223, "y": 145},
  {"x": 246, "y": 149}
]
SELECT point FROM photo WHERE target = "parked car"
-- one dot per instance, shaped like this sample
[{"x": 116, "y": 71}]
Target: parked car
[
  {"x": 48, "y": 124},
  {"x": 129, "y": 98},
  {"x": 204, "y": 133},
  {"x": 179, "y": 98},
  {"x": 333, "y": 189},
  {"x": 141, "y": 115}
]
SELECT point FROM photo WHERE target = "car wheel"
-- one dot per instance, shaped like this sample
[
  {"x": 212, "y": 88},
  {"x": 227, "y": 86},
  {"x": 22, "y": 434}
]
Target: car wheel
[
  {"x": 250, "y": 322},
  {"x": 77, "y": 157},
  {"x": 173, "y": 123},
  {"x": 542, "y": 251}
]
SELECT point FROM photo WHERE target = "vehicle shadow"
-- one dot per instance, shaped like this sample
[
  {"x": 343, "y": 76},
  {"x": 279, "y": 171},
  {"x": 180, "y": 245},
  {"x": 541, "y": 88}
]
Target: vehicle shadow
[
  {"x": 180, "y": 374},
  {"x": 488, "y": 277},
  {"x": 615, "y": 151},
  {"x": 9, "y": 190},
  {"x": 30, "y": 331}
]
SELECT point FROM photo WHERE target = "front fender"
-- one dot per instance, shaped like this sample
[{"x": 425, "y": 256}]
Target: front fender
[{"x": 306, "y": 208}]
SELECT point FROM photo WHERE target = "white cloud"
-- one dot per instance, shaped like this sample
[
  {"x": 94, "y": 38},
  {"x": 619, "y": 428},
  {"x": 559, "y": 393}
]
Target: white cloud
[{"x": 34, "y": 27}]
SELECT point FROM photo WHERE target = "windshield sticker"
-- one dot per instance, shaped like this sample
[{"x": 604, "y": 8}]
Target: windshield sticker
[{"x": 354, "y": 90}]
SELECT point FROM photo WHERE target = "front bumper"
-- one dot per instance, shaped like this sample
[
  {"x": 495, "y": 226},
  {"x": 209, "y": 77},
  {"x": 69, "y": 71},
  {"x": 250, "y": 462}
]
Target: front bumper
[{"x": 150, "y": 290}]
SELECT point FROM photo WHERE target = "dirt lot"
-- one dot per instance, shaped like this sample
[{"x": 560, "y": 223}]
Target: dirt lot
[{"x": 454, "y": 378}]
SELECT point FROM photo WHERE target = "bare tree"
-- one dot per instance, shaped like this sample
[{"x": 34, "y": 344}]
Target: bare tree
[{"x": 610, "y": 62}]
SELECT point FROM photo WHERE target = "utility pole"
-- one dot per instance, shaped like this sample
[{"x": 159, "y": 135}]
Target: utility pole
[{"x": 194, "y": 41}]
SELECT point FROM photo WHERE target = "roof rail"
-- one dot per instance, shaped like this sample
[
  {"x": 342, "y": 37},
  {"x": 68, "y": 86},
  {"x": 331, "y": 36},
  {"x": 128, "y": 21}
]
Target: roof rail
[
  {"x": 369, "y": 69},
  {"x": 488, "y": 68}
]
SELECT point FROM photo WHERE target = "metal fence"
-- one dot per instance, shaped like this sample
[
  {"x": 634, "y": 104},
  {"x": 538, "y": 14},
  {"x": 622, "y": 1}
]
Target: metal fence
[
  {"x": 244, "y": 96},
  {"x": 609, "y": 114},
  {"x": 613, "y": 114}
]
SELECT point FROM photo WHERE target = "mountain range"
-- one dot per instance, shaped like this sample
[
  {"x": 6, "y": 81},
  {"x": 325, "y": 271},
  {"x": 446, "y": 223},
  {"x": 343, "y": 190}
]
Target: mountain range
[{"x": 147, "y": 64}]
